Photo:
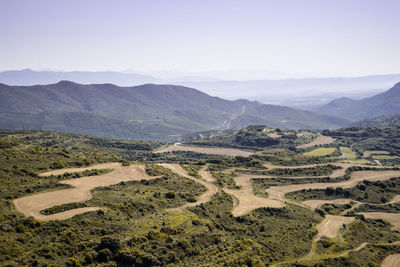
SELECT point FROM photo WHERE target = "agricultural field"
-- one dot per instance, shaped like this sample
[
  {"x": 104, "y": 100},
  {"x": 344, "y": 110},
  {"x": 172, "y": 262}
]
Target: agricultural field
[
  {"x": 320, "y": 152},
  {"x": 74, "y": 200}
]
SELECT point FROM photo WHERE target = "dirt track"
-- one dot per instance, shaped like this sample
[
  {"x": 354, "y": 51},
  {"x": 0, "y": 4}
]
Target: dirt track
[
  {"x": 317, "y": 203},
  {"x": 206, "y": 175},
  {"x": 391, "y": 261},
  {"x": 206, "y": 150},
  {"x": 247, "y": 201},
  {"x": 279, "y": 192},
  {"x": 393, "y": 218},
  {"x": 203, "y": 198},
  {"x": 335, "y": 173},
  {"x": 320, "y": 140},
  {"x": 331, "y": 224},
  {"x": 110, "y": 165},
  {"x": 32, "y": 205}
]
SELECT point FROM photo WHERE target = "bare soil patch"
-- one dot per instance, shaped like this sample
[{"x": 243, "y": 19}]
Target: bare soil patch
[
  {"x": 331, "y": 225},
  {"x": 206, "y": 175},
  {"x": 206, "y": 150},
  {"x": 320, "y": 140},
  {"x": 391, "y": 261},
  {"x": 247, "y": 201},
  {"x": 32, "y": 205}
]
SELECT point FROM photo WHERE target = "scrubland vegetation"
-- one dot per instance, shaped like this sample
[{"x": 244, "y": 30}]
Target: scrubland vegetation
[{"x": 136, "y": 226}]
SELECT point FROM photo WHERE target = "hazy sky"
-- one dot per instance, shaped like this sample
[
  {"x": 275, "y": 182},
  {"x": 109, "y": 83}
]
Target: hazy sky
[{"x": 320, "y": 38}]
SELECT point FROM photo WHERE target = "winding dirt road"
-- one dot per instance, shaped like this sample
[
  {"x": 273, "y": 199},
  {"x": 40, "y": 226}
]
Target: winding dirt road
[{"x": 33, "y": 204}]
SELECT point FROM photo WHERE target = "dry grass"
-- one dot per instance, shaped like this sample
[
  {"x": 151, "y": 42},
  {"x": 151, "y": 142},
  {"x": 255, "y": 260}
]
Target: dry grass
[
  {"x": 206, "y": 150},
  {"x": 347, "y": 153},
  {"x": 320, "y": 152},
  {"x": 331, "y": 225},
  {"x": 391, "y": 261},
  {"x": 368, "y": 153},
  {"x": 320, "y": 140}
]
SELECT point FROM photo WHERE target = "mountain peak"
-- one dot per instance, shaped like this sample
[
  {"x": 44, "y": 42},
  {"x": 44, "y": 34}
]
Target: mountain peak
[{"x": 65, "y": 82}]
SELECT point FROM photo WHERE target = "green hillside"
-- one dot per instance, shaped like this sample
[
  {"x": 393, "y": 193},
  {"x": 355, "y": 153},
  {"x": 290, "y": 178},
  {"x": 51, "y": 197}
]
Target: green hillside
[
  {"x": 380, "y": 122},
  {"x": 386, "y": 103},
  {"x": 146, "y": 112}
]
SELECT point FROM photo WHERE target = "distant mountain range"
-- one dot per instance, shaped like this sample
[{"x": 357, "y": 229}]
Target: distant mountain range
[
  {"x": 29, "y": 77},
  {"x": 380, "y": 122},
  {"x": 386, "y": 103},
  {"x": 303, "y": 92},
  {"x": 150, "y": 112}
]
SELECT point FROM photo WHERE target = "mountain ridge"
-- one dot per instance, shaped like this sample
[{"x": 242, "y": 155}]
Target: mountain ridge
[
  {"x": 148, "y": 110},
  {"x": 386, "y": 103}
]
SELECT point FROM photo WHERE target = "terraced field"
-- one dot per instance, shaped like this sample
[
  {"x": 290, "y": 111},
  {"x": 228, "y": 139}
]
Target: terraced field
[
  {"x": 320, "y": 140},
  {"x": 80, "y": 191},
  {"x": 320, "y": 152},
  {"x": 206, "y": 150}
]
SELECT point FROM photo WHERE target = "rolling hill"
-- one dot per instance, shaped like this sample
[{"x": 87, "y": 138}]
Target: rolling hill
[
  {"x": 386, "y": 103},
  {"x": 151, "y": 112}
]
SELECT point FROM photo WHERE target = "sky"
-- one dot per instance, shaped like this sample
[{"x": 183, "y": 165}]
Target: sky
[{"x": 247, "y": 38}]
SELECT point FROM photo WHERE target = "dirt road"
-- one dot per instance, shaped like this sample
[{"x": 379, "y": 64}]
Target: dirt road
[{"x": 203, "y": 198}]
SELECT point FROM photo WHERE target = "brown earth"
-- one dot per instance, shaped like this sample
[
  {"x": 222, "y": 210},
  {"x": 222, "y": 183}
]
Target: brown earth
[
  {"x": 391, "y": 261},
  {"x": 203, "y": 198},
  {"x": 393, "y": 218},
  {"x": 247, "y": 201},
  {"x": 110, "y": 165},
  {"x": 206, "y": 175},
  {"x": 331, "y": 225},
  {"x": 206, "y": 150},
  {"x": 80, "y": 191}
]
